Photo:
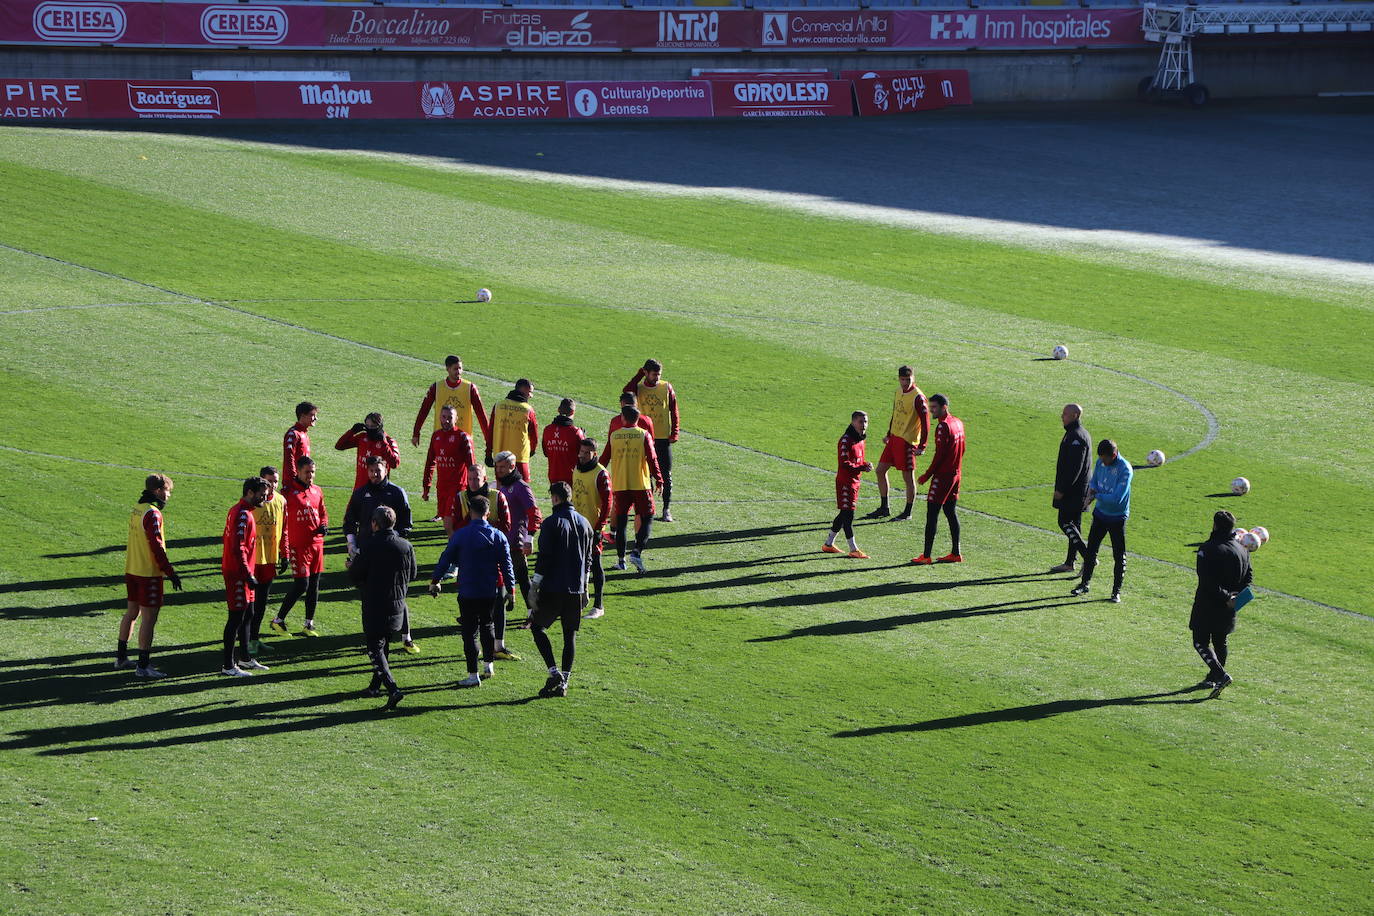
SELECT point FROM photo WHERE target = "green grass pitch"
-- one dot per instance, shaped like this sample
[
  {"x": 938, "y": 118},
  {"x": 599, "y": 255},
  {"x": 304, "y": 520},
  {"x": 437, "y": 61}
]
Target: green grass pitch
[{"x": 754, "y": 727}]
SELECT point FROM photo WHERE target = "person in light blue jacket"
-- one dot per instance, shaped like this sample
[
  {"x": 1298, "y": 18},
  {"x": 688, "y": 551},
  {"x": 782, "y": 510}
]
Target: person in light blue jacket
[{"x": 1110, "y": 488}]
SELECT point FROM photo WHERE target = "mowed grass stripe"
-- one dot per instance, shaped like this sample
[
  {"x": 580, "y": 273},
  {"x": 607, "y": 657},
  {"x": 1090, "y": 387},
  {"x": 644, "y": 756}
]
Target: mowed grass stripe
[{"x": 1167, "y": 310}]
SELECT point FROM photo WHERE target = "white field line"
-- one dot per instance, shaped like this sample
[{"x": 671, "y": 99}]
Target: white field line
[{"x": 721, "y": 442}]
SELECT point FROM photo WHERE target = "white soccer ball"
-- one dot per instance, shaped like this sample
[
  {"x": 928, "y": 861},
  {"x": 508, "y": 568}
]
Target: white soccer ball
[
  {"x": 1239, "y": 533},
  {"x": 1240, "y": 486},
  {"x": 1250, "y": 541},
  {"x": 1261, "y": 532},
  {"x": 1060, "y": 352},
  {"x": 1155, "y": 458},
  {"x": 484, "y": 295}
]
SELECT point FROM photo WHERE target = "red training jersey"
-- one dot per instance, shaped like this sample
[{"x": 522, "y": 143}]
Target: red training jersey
[
  {"x": 385, "y": 448},
  {"x": 450, "y": 453},
  {"x": 948, "y": 462},
  {"x": 295, "y": 445},
  {"x": 240, "y": 542},
  {"x": 561, "y": 441},
  {"x": 851, "y": 456},
  {"x": 305, "y": 513}
]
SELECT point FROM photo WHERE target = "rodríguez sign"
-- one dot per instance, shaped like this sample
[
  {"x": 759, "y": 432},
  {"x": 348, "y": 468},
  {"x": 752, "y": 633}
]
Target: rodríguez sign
[
  {"x": 684, "y": 99},
  {"x": 765, "y": 98},
  {"x": 885, "y": 92}
]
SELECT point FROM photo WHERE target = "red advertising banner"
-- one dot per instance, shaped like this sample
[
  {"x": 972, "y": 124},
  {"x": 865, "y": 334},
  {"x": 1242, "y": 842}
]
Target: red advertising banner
[
  {"x": 825, "y": 29},
  {"x": 1018, "y": 28},
  {"x": 178, "y": 99},
  {"x": 356, "y": 101},
  {"x": 311, "y": 25},
  {"x": 885, "y": 92},
  {"x": 255, "y": 25},
  {"x": 28, "y": 99},
  {"x": 685, "y": 99},
  {"x": 762, "y": 98},
  {"x": 493, "y": 99}
]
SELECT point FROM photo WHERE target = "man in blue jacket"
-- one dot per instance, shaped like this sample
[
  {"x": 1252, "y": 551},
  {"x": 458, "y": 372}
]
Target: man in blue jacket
[
  {"x": 485, "y": 578},
  {"x": 1110, "y": 488},
  {"x": 559, "y": 588}
]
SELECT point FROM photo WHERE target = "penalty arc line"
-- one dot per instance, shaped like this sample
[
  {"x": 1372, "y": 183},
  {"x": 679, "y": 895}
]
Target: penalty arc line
[{"x": 722, "y": 442}]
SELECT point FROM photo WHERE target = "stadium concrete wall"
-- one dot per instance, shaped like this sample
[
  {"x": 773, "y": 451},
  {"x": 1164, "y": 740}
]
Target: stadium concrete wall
[{"x": 1229, "y": 70}]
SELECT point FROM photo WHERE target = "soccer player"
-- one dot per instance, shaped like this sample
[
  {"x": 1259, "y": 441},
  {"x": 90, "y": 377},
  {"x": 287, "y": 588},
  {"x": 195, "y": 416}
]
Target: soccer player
[
  {"x": 1071, "y": 483},
  {"x": 633, "y": 464},
  {"x": 450, "y": 453},
  {"x": 658, "y": 402},
  {"x": 383, "y": 574},
  {"x": 378, "y": 491},
  {"x": 561, "y": 441},
  {"x": 591, "y": 498},
  {"x": 462, "y": 394},
  {"x": 295, "y": 444},
  {"x": 145, "y": 566},
  {"x": 369, "y": 438},
  {"x": 907, "y": 432},
  {"x": 560, "y": 584},
  {"x": 272, "y": 548},
  {"x": 307, "y": 522},
  {"x": 514, "y": 428},
  {"x": 236, "y": 563},
  {"x": 1223, "y": 571},
  {"x": 524, "y": 521},
  {"x": 498, "y": 510},
  {"x": 945, "y": 471},
  {"x": 1110, "y": 488},
  {"x": 851, "y": 466},
  {"x": 482, "y": 556}
]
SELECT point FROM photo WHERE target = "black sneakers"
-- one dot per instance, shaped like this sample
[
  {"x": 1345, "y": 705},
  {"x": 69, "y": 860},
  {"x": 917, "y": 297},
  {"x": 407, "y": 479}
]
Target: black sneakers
[
  {"x": 1220, "y": 686},
  {"x": 555, "y": 686}
]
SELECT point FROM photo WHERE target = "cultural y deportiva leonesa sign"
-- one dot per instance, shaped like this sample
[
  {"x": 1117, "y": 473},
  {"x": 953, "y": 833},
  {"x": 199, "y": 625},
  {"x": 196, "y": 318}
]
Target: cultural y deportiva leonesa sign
[{"x": 306, "y": 26}]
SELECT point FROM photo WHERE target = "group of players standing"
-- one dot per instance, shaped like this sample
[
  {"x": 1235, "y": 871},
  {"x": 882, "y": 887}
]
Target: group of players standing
[{"x": 281, "y": 520}]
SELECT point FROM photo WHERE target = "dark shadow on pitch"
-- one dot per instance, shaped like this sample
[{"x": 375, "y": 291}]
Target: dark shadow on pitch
[
  {"x": 1223, "y": 495},
  {"x": 881, "y": 590},
  {"x": 1025, "y": 713},
  {"x": 885, "y": 624},
  {"x": 730, "y": 535},
  {"x": 174, "y": 544}
]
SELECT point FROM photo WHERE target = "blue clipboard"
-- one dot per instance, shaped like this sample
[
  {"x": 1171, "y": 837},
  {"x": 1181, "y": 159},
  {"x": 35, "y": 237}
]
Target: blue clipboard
[{"x": 1243, "y": 597}]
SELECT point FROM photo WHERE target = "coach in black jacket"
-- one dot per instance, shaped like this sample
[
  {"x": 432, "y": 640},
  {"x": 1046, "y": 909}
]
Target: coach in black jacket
[
  {"x": 559, "y": 587},
  {"x": 383, "y": 573},
  {"x": 1071, "y": 483},
  {"x": 1223, "y": 570}
]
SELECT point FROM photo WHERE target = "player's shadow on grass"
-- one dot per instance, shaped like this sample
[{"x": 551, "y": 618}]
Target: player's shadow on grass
[
  {"x": 174, "y": 544},
  {"x": 882, "y": 590},
  {"x": 90, "y": 679},
  {"x": 725, "y": 536},
  {"x": 1025, "y": 713},
  {"x": 883, "y": 624},
  {"x": 1223, "y": 495}
]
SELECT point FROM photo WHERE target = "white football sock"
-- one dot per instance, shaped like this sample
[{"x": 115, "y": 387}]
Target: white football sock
[
  {"x": 830, "y": 539},
  {"x": 853, "y": 545}
]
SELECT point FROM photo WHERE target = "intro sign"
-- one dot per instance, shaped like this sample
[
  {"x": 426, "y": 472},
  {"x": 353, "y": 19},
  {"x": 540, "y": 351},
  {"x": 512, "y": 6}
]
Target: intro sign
[
  {"x": 887, "y": 92},
  {"x": 324, "y": 25}
]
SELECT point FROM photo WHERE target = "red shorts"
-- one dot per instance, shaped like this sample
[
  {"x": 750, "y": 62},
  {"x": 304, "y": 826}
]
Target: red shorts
[
  {"x": 308, "y": 560},
  {"x": 145, "y": 591},
  {"x": 943, "y": 491},
  {"x": 238, "y": 595},
  {"x": 641, "y": 501},
  {"x": 447, "y": 501},
  {"x": 264, "y": 573},
  {"x": 846, "y": 493},
  {"x": 524, "y": 468},
  {"x": 899, "y": 454}
]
